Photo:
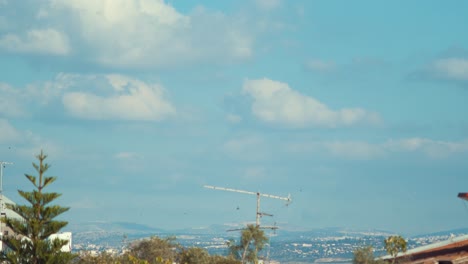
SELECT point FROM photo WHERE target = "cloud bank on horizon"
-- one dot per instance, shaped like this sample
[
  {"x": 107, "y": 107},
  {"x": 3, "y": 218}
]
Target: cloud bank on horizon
[{"x": 141, "y": 102}]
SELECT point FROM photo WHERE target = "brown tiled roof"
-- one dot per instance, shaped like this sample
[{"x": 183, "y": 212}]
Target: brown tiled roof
[{"x": 454, "y": 250}]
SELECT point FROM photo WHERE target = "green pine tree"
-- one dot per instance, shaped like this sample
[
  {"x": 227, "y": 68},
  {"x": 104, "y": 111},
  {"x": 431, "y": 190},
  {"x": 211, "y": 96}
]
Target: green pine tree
[{"x": 29, "y": 240}]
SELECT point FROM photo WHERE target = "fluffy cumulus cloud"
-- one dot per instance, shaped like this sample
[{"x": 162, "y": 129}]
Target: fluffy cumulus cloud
[
  {"x": 128, "y": 33},
  {"x": 455, "y": 69},
  {"x": 37, "y": 41},
  {"x": 92, "y": 97},
  {"x": 435, "y": 149},
  {"x": 276, "y": 103},
  {"x": 129, "y": 99}
]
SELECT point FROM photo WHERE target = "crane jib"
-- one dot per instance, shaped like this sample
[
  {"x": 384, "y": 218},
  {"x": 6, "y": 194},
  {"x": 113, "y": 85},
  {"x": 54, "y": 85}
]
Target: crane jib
[{"x": 288, "y": 199}]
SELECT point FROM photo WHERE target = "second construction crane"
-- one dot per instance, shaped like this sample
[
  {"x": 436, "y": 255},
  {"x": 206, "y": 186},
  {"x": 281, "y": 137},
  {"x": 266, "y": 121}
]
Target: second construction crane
[{"x": 258, "y": 194}]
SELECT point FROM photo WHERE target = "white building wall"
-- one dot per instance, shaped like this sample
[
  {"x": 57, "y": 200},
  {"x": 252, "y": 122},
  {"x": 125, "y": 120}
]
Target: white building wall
[{"x": 64, "y": 236}]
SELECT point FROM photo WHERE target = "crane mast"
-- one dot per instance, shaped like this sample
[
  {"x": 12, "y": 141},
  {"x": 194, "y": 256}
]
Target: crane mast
[{"x": 258, "y": 194}]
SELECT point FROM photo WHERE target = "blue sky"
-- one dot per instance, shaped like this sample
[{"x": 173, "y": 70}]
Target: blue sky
[{"x": 357, "y": 109}]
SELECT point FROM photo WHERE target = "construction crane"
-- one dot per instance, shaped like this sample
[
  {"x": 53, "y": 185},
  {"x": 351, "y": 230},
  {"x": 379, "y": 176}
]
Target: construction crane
[{"x": 258, "y": 194}]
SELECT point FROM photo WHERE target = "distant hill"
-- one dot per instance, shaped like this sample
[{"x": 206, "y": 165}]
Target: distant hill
[
  {"x": 217, "y": 229},
  {"x": 131, "y": 229},
  {"x": 110, "y": 233},
  {"x": 456, "y": 232},
  {"x": 120, "y": 227},
  {"x": 335, "y": 232},
  {"x": 208, "y": 230}
]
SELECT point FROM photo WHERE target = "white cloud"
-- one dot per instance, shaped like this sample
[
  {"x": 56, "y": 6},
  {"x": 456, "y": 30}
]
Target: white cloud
[
  {"x": 126, "y": 155},
  {"x": 275, "y": 102},
  {"x": 431, "y": 148},
  {"x": 24, "y": 101},
  {"x": 32, "y": 144},
  {"x": 268, "y": 5},
  {"x": 435, "y": 149},
  {"x": 37, "y": 41},
  {"x": 25, "y": 143},
  {"x": 354, "y": 150},
  {"x": 239, "y": 145},
  {"x": 10, "y": 99},
  {"x": 8, "y": 133},
  {"x": 254, "y": 173},
  {"x": 148, "y": 33},
  {"x": 3, "y": 22},
  {"x": 130, "y": 99},
  {"x": 451, "y": 68},
  {"x": 320, "y": 65},
  {"x": 234, "y": 119},
  {"x": 50, "y": 90},
  {"x": 94, "y": 97},
  {"x": 246, "y": 148}
]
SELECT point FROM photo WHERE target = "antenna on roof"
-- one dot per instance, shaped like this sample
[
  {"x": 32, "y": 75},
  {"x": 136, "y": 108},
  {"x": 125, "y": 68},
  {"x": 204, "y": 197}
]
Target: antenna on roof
[
  {"x": 2, "y": 204},
  {"x": 2, "y": 165}
]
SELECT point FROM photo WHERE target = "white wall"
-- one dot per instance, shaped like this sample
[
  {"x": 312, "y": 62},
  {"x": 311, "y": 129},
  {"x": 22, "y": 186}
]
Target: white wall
[{"x": 65, "y": 236}]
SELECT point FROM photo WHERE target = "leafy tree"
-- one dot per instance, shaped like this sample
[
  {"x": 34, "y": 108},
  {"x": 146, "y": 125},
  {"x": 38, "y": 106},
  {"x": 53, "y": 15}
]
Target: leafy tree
[
  {"x": 365, "y": 255},
  {"x": 394, "y": 245},
  {"x": 106, "y": 258},
  {"x": 155, "y": 248},
  {"x": 197, "y": 255},
  {"x": 216, "y": 259},
  {"x": 252, "y": 241},
  {"x": 30, "y": 241},
  {"x": 101, "y": 258},
  {"x": 194, "y": 255}
]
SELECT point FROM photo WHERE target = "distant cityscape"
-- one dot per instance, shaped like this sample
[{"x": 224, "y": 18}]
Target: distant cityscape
[{"x": 332, "y": 245}]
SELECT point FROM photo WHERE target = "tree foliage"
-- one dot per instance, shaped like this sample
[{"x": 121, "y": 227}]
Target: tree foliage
[
  {"x": 216, "y": 259},
  {"x": 395, "y": 245},
  {"x": 155, "y": 248},
  {"x": 252, "y": 241},
  {"x": 364, "y": 255},
  {"x": 101, "y": 258},
  {"x": 195, "y": 255},
  {"x": 30, "y": 241},
  {"x": 182, "y": 255}
]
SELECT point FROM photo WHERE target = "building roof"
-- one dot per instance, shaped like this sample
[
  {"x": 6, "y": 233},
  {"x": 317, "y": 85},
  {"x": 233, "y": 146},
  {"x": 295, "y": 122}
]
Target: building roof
[
  {"x": 3, "y": 209},
  {"x": 448, "y": 249},
  {"x": 463, "y": 196}
]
